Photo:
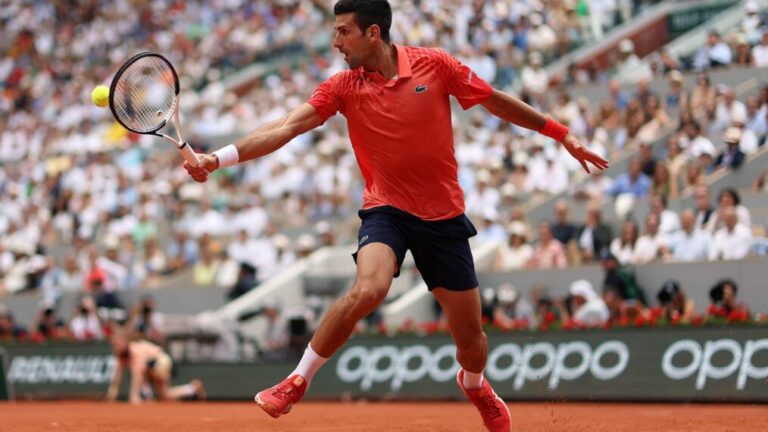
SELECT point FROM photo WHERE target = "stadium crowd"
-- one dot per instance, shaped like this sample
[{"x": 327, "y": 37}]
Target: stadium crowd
[{"x": 87, "y": 207}]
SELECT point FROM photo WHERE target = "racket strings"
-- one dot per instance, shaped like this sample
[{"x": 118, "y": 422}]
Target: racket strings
[{"x": 145, "y": 94}]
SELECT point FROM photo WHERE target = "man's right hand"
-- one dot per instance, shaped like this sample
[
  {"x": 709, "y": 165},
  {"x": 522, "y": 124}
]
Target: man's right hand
[{"x": 208, "y": 164}]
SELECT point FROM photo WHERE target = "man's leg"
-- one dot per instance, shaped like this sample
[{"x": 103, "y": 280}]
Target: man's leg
[
  {"x": 462, "y": 309},
  {"x": 376, "y": 266}
]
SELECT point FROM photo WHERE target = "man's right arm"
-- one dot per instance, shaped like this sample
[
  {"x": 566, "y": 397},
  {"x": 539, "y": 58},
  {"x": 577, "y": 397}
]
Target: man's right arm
[{"x": 262, "y": 141}]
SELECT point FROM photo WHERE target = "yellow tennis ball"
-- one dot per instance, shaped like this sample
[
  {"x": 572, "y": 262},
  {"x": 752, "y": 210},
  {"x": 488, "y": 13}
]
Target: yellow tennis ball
[{"x": 100, "y": 96}]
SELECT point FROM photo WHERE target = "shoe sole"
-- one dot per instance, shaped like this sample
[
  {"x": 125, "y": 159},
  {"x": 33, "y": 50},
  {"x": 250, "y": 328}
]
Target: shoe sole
[{"x": 270, "y": 408}]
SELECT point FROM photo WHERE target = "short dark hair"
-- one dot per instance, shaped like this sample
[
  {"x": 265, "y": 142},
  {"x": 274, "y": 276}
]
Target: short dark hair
[{"x": 367, "y": 13}]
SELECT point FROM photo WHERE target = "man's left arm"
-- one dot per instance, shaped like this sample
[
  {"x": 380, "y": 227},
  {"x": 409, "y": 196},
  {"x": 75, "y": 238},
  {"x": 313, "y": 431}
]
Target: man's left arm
[{"x": 515, "y": 111}]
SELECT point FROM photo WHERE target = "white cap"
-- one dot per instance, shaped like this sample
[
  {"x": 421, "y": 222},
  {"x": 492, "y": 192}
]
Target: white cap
[
  {"x": 536, "y": 20},
  {"x": 281, "y": 241},
  {"x": 305, "y": 242},
  {"x": 518, "y": 228},
  {"x": 490, "y": 213},
  {"x": 732, "y": 135},
  {"x": 483, "y": 176},
  {"x": 751, "y": 6},
  {"x": 507, "y": 293},
  {"x": 583, "y": 288},
  {"x": 626, "y": 46}
]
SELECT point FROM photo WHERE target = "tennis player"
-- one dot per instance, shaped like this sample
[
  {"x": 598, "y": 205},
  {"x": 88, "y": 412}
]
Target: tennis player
[
  {"x": 395, "y": 100},
  {"x": 149, "y": 366}
]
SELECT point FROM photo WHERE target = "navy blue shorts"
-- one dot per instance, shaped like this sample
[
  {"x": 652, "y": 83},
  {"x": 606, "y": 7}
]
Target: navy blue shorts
[{"x": 439, "y": 248}]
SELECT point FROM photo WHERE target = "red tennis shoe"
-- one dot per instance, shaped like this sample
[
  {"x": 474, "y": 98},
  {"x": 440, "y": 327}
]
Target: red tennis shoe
[
  {"x": 492, "y": 409},
  {"x": 279, "y": 400}
]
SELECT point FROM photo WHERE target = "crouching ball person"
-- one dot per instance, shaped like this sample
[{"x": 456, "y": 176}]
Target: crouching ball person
[
  {"x": 396, "y": 102},
  {"x": 149, "y": 366}
]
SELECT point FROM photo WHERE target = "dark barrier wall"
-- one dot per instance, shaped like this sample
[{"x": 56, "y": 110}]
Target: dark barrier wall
[{"x": 672, "y": 364}]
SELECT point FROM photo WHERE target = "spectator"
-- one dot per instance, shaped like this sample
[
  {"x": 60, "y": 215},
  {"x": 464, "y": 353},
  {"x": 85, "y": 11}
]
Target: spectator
[
  {"x": 647, "y": 160},
  {"x": 652, "y": 244},
  {"x": 663, "y": 184},
  {"x": 715, "y": 53},
  {"x": 633, "y": 182},
  {"x": 760, "y": 52},
  {"x": 623, "y": 247},
  {"x": 751, "y": 23},
  {"x": 694, "y": 142},
  {"x": 743, "y": 54},
  {"x": 729, "y": 198},
  {"x": 86, "y": 324},
  {"x": 676, "y": 97},
  {"x": 516, "y": 252},
  {"x": 146, "y": 322},
  {"x": 703, "y": 96},
  {"x": 278, "y": 334},
  {"x": 246, "y": 281},
  {"x": 669, "y": 222},
  {"x": 691, "y": 243},
  {"x": 549, "y": 252},
  {"x": 732, "y": 157},
  {"x": 676, "y": 305},
  {"x": 204, "y": 271},
  {"x": 705, "y": 214},
  {"x": 49, "y": 326},
  {"x": 749, "y": 142},
  {"x": 755, "y": 120},
  {"x": 181, "y": 251},
  {"x": 728, "y": 110},
  {"x": 489, "y": 228},
  {"x": 588, "y": 308},
  {"x": 9, "y": 330},
  {"x": 630, "y": 69},
  {"x": 534, "y": 77},
  {"x": 563, "y": 230},
  {"x": 512, "y": 310},
  {"x": 620, "y": 289},
  {"x": 734, "y": 240},
  {"x": 676, "y": 162},
  {"x": 594, "y": 236},
  {"x": 724, "y": 304}
]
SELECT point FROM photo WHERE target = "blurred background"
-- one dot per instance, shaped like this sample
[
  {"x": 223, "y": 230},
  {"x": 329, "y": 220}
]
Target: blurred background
[{"x": 101, "y": 226}]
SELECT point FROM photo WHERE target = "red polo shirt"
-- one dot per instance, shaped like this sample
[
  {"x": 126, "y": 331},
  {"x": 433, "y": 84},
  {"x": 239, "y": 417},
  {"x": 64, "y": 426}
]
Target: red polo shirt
[{"x": 401, "y": 129}]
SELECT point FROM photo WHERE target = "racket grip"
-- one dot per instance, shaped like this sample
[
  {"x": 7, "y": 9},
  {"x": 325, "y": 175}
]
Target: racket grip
[{"x": 189, "y": 154}]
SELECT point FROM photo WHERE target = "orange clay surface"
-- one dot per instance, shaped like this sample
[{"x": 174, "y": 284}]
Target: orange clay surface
[{"x": 388, "y": 416}]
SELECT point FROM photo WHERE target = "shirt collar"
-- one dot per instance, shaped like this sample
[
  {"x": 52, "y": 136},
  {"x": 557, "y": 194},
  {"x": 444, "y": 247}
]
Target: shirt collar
[{"x": 403, "y": 66}]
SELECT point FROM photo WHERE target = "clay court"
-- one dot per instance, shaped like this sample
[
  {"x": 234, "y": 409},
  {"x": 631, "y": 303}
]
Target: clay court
[{"x": 356, "y": 416}]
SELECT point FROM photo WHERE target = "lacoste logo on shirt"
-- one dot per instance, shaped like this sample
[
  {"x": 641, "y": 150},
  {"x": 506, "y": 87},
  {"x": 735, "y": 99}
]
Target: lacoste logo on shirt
[{"x": 421, "y": 89}]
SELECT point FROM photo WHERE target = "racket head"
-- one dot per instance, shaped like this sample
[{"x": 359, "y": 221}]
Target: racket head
[{"x": 144, "y": 93}]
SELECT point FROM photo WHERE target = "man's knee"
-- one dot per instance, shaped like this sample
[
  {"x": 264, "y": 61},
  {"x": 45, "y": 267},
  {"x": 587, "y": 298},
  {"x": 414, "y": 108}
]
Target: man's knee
[{"x": 365, "y": 296}]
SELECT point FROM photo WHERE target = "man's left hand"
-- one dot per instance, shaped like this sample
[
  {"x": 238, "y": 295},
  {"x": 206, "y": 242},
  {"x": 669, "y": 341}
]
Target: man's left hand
[{"x": 582, "y": 154}]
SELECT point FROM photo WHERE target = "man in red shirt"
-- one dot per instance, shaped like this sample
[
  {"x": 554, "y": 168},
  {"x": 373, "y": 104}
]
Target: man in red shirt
[{"x": 395, "y": 100}]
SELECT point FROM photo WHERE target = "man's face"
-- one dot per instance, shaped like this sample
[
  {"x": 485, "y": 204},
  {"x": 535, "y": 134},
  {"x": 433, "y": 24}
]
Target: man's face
[
  {"x": 350, "y": 40},
  {"x": 688, "y": 221},
  {"x": 702, "y": 200}
]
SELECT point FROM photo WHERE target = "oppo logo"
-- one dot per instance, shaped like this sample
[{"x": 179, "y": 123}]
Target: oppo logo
[
  {"x": 521, "y": 364},
  {"x": 701, "y": 363}
]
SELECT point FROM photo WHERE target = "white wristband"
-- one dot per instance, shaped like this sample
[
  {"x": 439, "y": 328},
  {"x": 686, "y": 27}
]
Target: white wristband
[{"x": 227, "y": 156}]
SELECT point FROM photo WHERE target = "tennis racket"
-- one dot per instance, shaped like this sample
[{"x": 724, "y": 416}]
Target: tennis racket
[{"x": 144, "y": 96}]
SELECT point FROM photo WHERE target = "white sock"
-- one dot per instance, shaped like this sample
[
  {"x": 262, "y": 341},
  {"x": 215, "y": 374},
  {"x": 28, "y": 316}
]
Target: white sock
[
  {"x": 472, "y": 380},
  {"x": 309, "y": 365}
]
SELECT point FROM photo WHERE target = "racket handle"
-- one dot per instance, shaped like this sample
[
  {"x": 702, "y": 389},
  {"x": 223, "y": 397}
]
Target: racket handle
[{"x": 189, "y": 154}]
